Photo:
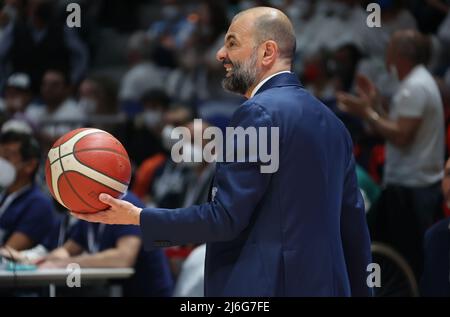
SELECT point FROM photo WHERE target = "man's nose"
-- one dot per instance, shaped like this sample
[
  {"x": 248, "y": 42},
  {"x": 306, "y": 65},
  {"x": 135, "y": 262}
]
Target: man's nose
[{"x": 221, "y": 54}]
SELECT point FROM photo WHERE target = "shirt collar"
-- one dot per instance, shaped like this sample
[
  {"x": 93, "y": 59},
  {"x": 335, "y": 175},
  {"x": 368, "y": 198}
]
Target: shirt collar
[{"x": 262, "y": 82}]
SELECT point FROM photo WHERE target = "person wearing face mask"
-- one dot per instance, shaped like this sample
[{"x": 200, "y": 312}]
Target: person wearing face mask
[
  {"x": 26, "y": 214},
  {"x": 97, "y": 98},
  {"x": 159, "y": 181},
  {"x": 174, "y": 185},
  {"x": 18, "y": 97},
  {"x": 436, "y": 276},
  {"x": 414, "y": 132},
  {"x": 145, "y": 127}
]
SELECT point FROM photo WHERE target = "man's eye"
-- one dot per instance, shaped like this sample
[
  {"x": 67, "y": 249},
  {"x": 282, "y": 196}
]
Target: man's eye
[{"x": 231, "y": 44}]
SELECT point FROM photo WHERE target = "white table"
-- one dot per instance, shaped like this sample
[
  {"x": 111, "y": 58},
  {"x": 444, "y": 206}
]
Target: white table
[{"x": 57, "y": 277}]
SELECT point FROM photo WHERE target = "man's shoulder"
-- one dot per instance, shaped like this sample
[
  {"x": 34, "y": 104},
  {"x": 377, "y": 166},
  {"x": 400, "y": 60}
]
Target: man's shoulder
[
  {"x": 287, "y": 101},
  {"x": 286, "y": 95},
  {"x": 37, "y": 197}
]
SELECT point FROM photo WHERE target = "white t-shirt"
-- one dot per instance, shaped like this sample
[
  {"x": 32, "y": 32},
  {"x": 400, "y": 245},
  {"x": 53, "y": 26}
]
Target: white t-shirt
[
  {"x": 420, "y": 163},
  {"x": 140, "y": 79},
  {"x": 190, "y": 282},
  {"x": 69, "y": 113}
]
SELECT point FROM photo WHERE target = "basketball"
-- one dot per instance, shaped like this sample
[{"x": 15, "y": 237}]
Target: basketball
[{"x": 83, "y": 164}]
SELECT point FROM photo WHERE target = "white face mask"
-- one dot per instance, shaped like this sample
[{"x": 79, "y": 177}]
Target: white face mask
[
  {"x": 152, "y": 118},
  {"x": 8, "y": 173}
]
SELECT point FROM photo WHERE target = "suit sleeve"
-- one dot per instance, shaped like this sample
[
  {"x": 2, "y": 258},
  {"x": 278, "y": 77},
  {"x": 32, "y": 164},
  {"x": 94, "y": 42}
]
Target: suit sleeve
[
  {"x": 355, "y": 234},
  {"x": 239, "y": 186}
]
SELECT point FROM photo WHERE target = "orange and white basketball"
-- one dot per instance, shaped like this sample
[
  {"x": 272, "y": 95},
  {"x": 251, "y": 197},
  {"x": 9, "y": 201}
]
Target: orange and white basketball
[{"x": 84, "y": 163}]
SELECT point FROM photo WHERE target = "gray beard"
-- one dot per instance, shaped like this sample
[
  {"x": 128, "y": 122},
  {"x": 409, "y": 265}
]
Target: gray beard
[{"x": 242, "y": 77}]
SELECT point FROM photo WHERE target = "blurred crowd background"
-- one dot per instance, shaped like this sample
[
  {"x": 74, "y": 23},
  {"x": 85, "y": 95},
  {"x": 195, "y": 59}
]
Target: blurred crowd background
[{"x": 138, "y": 68}]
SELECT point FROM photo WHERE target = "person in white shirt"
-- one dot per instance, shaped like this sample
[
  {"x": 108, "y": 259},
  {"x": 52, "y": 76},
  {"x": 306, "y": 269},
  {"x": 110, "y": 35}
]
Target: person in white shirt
[
  {"x": 60, "y": 113},
  {"x": 143, "y": 75},
  {"x": 190, "y": 282},
  {"x": 415, "y": 144}
]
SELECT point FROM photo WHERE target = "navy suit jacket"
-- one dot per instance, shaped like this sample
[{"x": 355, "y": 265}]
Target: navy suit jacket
[{"x": 300, "y": 231}]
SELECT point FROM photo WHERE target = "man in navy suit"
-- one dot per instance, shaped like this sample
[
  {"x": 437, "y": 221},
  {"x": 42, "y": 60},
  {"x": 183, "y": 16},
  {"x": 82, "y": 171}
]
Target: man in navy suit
[{"x": 299, "y": 231}]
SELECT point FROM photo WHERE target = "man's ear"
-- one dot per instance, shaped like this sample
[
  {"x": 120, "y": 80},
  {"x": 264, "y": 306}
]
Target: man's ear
[{"x": 270, "y": 53}]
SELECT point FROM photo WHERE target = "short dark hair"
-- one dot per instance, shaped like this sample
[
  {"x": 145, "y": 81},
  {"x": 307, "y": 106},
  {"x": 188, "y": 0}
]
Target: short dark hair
[
  {"x": 61, "y": 71},
  {"x": 413, "y": 45},
  {"x": 29, "y": 146}
]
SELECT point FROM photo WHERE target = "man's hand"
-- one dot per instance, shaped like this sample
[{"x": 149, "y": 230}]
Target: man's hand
[
  {"x": 364, "y": 103},
  {"x": 13, "y": 254},
  {"x": 120, "y": 212}
]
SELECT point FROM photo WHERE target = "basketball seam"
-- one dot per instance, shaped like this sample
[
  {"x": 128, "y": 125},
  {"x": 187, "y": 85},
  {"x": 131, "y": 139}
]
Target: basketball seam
[
  {"x": 70, "y": 184},
  {"x": 57, "y": 181},
  {"x": 76, "y": 142},
  {"x": 73, "y": 152},
  {"x": 91, "y": 149},
  {"x": 125, "y": 184},
  {"x": 94, "y": 180},
  {"x": 105, "y": 149},
  {"x": 96, "y": 132}
]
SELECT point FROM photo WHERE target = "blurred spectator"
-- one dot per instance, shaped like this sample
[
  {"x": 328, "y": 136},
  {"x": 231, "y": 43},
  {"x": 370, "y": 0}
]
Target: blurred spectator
[
  {"x": 150, "y": 167},
  {"x": 344, "y": 62},
  {"x": 394, "y": 17},
  {"x": 371, "y": 191},
  {"x": 41, "y": 42},
  {"x": 436, "y": 277},
  {"x": 183, "y": 184},
  {"x": 430, "y": 13},
  {"x": 175, "y": 185},
  {"x": 26, "y": 214},
  {"x": 325, "y": 72},
  {"x": 435, "y": 281},
  {"x": 324, "y": 29},
  {"x": 317, "y": 77},
  {"x": 60, "y": 113},
  {"x": 197, "y": 190},
  {"x": 171, "y": 32},
  {"x": 115, "y": 246},
  {"x": 145, "y": 128},
  {"x": 199, "y": 75},
  {"x": 142, "y": 75},
  {"x": 9, "y": 13},
  {"x": 190, "y": 282},
  {"x": 211, "y": 23},
  {"x": 97, "y": 98},
  {"x": 414, "y": 131},
  {"x": 18, "y": 97},
  {"x": 443, "y": 32}
]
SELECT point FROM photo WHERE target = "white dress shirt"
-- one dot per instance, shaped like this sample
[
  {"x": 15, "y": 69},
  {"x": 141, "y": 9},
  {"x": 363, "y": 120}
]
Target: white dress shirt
[{"x": 262, "y": 82}]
